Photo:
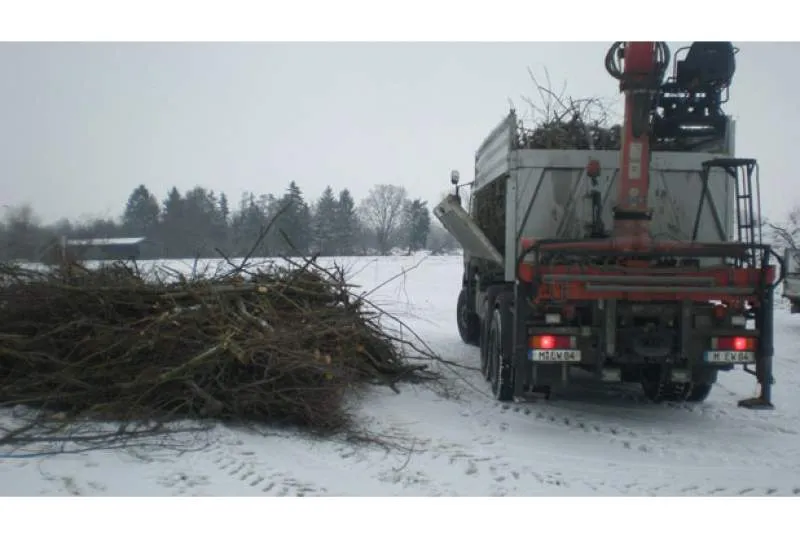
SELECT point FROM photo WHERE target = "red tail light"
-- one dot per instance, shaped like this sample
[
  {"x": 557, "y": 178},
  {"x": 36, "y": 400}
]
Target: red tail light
[
  {"x": 552, "y": 342},
  {"x": 736, "y": 344}
]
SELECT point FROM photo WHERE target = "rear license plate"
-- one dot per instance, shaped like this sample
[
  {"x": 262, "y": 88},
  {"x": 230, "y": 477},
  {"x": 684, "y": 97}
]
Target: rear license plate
[
  {"x": 728, "y": 357},
  {"x": 555, "y": 356}
]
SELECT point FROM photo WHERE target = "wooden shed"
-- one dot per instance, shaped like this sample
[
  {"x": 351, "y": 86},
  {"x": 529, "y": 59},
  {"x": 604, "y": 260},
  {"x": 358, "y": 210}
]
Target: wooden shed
[{"x": 111, "y": 249}]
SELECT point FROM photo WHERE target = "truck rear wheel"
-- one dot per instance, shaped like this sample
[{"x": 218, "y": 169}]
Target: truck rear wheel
[
  {"x": 488, "y": 303},
  {"x": 498, "y": 349},
  {"x": 486, "y": 366},
  {"x": 468, "y": 322},
  {"x": 658, "y": 392},
  {"x": 699, "y": 392}
]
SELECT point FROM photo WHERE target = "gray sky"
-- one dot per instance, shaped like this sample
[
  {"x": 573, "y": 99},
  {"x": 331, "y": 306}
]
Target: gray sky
[{"x": 83, "y": 124}]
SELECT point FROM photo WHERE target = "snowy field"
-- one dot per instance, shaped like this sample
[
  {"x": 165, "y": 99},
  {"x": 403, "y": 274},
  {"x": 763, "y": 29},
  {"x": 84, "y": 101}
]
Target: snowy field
[{"x": 590, "y": 440}]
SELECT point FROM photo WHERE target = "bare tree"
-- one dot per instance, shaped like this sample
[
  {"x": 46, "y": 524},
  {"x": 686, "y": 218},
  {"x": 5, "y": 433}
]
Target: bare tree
[
  {"x": 24, "y": 236},
  {"x": 382, "y": 212},
  {"x": 440, "y": 241},
  {"x": 785, "y": 234}
]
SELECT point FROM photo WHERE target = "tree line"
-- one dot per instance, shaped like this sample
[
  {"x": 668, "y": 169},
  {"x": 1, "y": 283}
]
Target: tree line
[{"x": 201, "y": 223}]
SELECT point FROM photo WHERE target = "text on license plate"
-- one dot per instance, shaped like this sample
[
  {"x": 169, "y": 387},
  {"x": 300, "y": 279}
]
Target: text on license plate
[
  {"x": 555, "y": 356},
  {"x": 723, "y": 356}
]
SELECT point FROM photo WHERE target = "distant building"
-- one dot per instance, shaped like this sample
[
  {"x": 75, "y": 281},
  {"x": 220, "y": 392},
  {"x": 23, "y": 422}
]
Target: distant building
[{"x": 124, "y": 248}]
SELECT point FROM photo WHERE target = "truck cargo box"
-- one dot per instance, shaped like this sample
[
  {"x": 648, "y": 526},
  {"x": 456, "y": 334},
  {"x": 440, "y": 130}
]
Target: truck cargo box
[{"x": 546, "y": 192}]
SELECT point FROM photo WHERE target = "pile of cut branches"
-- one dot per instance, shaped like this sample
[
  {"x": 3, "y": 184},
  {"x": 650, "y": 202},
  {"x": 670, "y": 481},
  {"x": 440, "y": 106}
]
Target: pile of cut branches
[
  {"x": 564, "y": 123},
  {"x": 282, "y": 344}
]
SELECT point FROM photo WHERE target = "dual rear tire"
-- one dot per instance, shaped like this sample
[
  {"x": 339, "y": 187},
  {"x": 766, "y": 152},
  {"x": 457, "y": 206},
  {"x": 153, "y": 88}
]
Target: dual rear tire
[
  {"x": 658, "y": 392},
  {"x": 497, "y": 346},
  {"x": 469, "y": 325}
]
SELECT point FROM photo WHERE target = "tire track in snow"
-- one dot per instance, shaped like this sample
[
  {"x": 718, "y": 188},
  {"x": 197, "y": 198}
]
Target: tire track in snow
[
  {"x": 292, "y": 465},
  {"x": 258, "y": 473},
  {"x": 669, "y": 431},
  {"x": 254, "y": 474},
  {"x": 702, "y": 432},
  {"x": 664, "y": 430},
  {"x": 527, "y": 473},
  {"x": 701, "y": 439}
]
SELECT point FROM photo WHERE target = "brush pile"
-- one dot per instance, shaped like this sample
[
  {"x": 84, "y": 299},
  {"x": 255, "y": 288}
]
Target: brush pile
[{"x": 283, "y": 345}]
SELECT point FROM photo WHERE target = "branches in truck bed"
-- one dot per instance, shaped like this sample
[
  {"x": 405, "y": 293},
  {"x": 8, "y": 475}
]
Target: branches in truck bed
[{"x": 566, "y": 123}]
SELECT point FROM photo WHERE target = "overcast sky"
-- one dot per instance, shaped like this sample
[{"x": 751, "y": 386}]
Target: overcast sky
[{"x": 81, "y": 125}]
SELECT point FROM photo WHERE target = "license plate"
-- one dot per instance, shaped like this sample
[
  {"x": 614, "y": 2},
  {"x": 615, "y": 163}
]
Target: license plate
[
  {"x": 728, "y": 357},
  {"x": 555, "y": 356}
]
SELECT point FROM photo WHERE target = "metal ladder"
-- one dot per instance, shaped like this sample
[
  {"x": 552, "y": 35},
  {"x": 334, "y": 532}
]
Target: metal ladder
[{"x": 744, "y": 174}]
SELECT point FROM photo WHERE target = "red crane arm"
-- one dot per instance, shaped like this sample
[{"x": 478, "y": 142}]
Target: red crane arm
[{"x": 639, "y": 80}]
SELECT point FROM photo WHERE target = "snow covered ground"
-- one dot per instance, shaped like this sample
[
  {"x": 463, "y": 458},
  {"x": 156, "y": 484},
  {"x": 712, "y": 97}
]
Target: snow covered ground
[{"x": 592, "y": 440}]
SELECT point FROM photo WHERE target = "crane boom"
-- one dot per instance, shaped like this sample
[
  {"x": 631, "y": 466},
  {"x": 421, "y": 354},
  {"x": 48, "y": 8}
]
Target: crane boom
[{"x": 644, "y": 65}]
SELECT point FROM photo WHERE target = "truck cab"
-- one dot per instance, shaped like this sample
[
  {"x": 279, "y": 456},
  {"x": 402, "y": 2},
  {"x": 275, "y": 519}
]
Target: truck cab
[{"x": 791, "y": 282}]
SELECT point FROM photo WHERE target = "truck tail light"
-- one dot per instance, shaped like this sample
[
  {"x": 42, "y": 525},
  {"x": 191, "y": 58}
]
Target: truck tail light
[
  {"x": 734, "y": 344},
  {"x": 552, "y": 342}
]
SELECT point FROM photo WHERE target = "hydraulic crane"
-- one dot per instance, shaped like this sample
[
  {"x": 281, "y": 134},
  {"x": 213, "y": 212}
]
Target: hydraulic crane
[{"x": 640, "y": 80}]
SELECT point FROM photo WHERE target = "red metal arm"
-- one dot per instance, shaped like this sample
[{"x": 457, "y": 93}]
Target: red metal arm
[{"x": 638, "y": 80}]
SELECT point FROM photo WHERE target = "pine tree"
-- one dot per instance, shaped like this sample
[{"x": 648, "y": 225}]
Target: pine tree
[
  {"x": 141, "y": 212},
  {"x": 323, "y": 220},
  {"x": 173, "y": 207},
  {"x": 202, "y": 228},
  {"x": 224, "y": 208},
  {"x": 345, "y": 225},
  {"x": 416, "y": 224},
  {"x": 222, "y": 223},
  {"x": 246, "y": 226},
  {"x": 294, "y": 222},
  {"x": 172, "y": 229}
]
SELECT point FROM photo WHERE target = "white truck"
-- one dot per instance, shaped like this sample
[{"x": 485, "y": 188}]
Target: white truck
[
  {"x": 791, "y": 282},
  {"x": 589, "y": 260}
]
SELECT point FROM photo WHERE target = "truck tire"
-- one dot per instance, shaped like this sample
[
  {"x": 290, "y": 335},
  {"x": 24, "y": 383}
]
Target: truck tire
[
  {"x": 699, "y": 392},
  {"x": 486, "y": 367},
  {"x": 675, "y": 392},
  {"x": 489, "y": 302},
  {"x": 499, "y": 346},
  {"x": 468, "y": 322},
  {"x": 659, "y": 392}
]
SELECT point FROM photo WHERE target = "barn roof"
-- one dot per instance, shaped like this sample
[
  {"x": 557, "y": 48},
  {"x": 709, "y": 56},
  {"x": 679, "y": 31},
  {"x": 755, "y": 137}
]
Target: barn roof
[{"x": 121, "y": 241}]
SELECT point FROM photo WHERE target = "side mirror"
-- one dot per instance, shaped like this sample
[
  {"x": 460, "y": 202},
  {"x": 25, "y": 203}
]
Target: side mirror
[{"x": 454, "y": 177}]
